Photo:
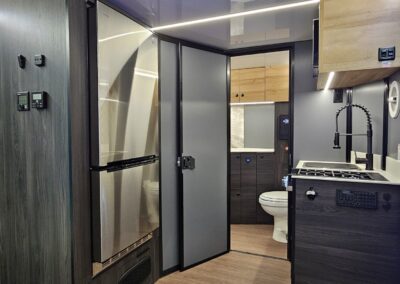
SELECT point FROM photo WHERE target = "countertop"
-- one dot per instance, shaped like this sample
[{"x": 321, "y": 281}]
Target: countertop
[
  {"x": 391, "y": 178},
  {"x": 252, "y": 150}
]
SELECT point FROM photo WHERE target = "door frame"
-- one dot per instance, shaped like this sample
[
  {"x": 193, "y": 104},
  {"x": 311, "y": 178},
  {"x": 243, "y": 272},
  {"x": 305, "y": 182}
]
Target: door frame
[{"x": 266, "y": 49}]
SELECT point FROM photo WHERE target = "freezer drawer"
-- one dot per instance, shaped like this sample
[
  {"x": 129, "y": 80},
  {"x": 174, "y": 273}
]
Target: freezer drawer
[{"x": 125, "y": 208}]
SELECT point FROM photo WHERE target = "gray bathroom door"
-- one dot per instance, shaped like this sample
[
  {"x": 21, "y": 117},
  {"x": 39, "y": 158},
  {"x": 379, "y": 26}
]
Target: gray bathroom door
[{"x": 204, "y": 136}]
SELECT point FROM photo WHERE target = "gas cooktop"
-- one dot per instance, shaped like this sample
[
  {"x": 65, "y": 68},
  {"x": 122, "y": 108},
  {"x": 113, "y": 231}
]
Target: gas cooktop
[{"x": 340, "y": 174}]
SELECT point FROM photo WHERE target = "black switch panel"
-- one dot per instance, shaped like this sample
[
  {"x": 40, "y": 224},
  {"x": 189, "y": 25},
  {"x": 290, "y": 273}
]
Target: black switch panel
[
  {"x": 39, "y": 100},
  {"x": 357, "y": 199},
  {"x": 284, "y": 127},
  {"x": 23, "y": 101},
  {"x": 40, "y": 60},
  {"x": 386, "y": 53}
]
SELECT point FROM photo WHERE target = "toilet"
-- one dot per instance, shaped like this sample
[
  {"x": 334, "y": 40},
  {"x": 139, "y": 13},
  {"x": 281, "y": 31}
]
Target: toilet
[{"x": 275, "y": 203}]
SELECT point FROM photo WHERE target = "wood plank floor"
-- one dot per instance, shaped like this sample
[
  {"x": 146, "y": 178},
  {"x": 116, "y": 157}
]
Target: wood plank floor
[
  {"x": 234, "y": 267},
  {"x": 256, "y": 239}
]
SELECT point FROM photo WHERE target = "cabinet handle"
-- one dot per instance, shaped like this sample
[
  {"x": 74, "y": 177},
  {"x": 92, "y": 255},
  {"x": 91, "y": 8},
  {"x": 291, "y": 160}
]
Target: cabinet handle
[
  {"x": 237, "y": 194},
  {"x": 237, "y": 95},
  {"x": 242, "y": 95},
  {"x": 311, "y": 193}
]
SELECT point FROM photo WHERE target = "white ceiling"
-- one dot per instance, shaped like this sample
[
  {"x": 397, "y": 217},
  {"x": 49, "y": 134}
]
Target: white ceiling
[
  {"x": 289, "y": 25},
  {"x": 260, "y": 60}
]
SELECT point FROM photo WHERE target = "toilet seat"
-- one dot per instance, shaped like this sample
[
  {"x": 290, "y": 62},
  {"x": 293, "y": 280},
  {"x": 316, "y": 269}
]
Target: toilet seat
[{"x": 274, "y": 199}]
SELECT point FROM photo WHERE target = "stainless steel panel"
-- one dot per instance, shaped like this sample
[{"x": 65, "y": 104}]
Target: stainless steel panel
[
  {"x": 127, "y": 88},
  {"x": 128, "y": 209}
]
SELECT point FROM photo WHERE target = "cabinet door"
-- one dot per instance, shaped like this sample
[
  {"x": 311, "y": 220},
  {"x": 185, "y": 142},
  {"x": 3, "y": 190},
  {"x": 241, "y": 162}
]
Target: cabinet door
[
  {"x": 277, "y": 83},
  {"x": 235, "y": 86},
  {"x": 266, "y": 169},
  {"x": 235, "y": 205},
  {"x": 248, "y": 209},
  {"x": 337, "y": 244},
  {"x": 262, "y": 216},
  {"x": 252, "y": 84},
  {"x": 248, "y": 173}
]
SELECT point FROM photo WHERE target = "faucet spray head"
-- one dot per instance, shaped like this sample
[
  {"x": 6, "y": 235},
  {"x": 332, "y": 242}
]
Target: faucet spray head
[{"x": 336, "y": 141}]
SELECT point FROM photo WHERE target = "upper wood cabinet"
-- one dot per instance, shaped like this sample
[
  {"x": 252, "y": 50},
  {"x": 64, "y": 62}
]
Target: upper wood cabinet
[
  {"x": 277, "y": 83},
  {"x": 260, "y": 84},
  {"x": 350, "y": 34},
  {"x": 248, "y": 85}
]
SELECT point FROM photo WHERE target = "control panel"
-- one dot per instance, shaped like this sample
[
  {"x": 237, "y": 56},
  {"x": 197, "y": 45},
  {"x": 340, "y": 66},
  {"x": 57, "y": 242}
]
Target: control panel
[
  {"x": 23, "y": 101},
  {"x": 357, "y": 199},
  {"x": 39, "y": 100}
]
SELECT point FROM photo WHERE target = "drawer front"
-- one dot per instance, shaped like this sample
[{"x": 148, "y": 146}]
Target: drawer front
[{"x": 335, "y": 244}]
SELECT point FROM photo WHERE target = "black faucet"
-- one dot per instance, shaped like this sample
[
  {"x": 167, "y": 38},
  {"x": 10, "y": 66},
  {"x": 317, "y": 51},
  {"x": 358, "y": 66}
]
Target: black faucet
[{"x": 369, "y": 160}]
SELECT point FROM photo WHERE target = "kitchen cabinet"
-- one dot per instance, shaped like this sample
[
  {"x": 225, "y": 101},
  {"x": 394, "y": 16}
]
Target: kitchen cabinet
[
  {"x": 269, "y": 83},
  {"x": 248, "y": 85},
  {"x": 350, "y": 34},
  {"x": 277, "y": 83},
  {"x": 340, "y": 244}
]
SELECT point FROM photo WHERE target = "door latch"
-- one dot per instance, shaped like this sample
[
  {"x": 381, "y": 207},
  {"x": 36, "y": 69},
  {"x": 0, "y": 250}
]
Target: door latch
[{"x": 186, "y": 163}]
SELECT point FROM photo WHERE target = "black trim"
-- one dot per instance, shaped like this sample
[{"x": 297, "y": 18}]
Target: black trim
[
  {"x": 349, "y": 125},
  {"x": 180, "y": 151},
  {"x": 126, "y": 164},
  {"x": 204, "y": 260},
  {"x": 169, "y": 271},
  {"x": 385, "y": 128},
  {"x": 260, "y": 49},
  {"x": 293, "y": 234},
  {"x": 228, "y": 130}
]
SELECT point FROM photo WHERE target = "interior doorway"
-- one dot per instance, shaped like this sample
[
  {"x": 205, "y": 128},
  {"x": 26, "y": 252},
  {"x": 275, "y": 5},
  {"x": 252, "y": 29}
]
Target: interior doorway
[{"x": 261, "y": 147}]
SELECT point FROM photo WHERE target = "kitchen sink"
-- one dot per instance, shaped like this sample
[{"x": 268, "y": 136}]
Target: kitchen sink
[{"x": 339, "y": 166}]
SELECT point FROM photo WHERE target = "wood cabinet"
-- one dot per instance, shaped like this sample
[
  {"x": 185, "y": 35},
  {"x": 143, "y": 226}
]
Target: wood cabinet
[
  {"x": 350, "y": 34},
  {"x": 260, "y": 84},
  {"x": 277, "y": 83},
  {"x": 248, "y": 85},
  {"x": 338, "y": 244}
]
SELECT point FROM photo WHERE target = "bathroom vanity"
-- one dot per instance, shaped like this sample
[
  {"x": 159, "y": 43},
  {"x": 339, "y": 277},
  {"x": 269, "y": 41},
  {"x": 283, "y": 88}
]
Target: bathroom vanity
[{"x": 345, "y": 229}]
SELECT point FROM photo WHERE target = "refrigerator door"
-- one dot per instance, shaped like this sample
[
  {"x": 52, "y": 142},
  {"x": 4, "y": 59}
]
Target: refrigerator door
[
  {"x": 126, "y": 117},
  {"x": 125, "y": 208}
]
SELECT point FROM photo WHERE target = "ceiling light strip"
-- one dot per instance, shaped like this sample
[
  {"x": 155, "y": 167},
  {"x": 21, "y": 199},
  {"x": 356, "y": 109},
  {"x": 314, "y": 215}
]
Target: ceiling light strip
[{"x": 235, "y": 15}]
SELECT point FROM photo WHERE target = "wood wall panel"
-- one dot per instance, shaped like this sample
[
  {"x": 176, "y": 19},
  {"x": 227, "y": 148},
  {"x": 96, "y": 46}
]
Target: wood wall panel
[{"x": 35, "y": 181}]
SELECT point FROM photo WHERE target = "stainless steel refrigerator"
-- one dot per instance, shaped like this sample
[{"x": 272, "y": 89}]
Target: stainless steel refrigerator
[{"x": 124, "y": 133}]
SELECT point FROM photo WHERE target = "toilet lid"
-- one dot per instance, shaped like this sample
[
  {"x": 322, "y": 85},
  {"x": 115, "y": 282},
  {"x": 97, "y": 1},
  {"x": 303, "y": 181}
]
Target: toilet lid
[{"x": 275, "y": 196}]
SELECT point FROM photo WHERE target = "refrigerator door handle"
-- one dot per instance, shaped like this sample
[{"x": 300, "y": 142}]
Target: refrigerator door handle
[{"x": 126, "y": 164}]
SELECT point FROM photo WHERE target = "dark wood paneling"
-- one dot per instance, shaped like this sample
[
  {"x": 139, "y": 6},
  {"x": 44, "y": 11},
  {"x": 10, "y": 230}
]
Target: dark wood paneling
[
  {"x": 266, "y": 169},
  {"x": 248, "y": 205},
  {"x": 248, "y": 170},
  {"x": 235, "y": 164},
  {"x": 79, "y": 124},
  {"x": 336, "y": 244},
  {"x": 35, "y": 181},
  {"x": 235, "y": 205}
]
